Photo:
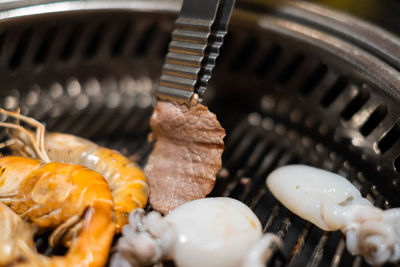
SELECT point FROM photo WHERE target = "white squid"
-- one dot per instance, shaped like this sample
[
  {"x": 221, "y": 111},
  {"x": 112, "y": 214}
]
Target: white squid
[
  {"x": 209, "y": 232},
  {"x": 331, "y": 202}
]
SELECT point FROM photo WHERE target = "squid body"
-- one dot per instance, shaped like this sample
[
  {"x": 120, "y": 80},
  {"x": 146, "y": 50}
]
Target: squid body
[
  {"x": 331, "y": 202},
  {"x": 221, "y": 232}
]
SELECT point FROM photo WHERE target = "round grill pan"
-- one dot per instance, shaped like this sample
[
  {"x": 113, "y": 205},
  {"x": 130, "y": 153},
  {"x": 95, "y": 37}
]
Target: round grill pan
[{"x": 308, "y": 85}]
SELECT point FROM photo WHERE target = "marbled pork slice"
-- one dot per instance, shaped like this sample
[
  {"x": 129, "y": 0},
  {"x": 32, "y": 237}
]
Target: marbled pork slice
[{"x": 186, "y": 156}]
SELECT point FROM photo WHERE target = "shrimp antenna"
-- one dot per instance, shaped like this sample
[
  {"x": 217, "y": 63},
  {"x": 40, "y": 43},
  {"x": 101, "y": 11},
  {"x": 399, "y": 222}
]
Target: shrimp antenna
[
  {"x": 36, "y": 142},
  {"x": 28, "y": 134}
]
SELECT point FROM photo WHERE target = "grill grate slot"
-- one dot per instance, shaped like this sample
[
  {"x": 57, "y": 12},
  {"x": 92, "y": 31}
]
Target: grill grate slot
[
  {"x": 119, "y": 43},
  {"x": 343, "y": 100},
  {"x": 290, "y": 69},
  {"x": 268, "y": 60},
  {"x": 374, "y": 119},
  {"x": 390, "y": 138},
  {"x": 71, "y": 42},
  {"x": 312, "y": 80},
  {"x": 82, "y": 126},
  {"x": 244, "y": 55},
  {"x": 356, "y": 104},
  {"x": 297, "y": 247},
  {"x": 2, "y": 41},
  {"x": 397, "y": 164},
  {"x": 95, "y": 41},
  {"x": 45, "y": 46},
  {"x": 145, "y": 41},
  {"x": 269, "y": 162},
  {"x": 20, "y": 49},
  {"x": 336, "y": 89}
]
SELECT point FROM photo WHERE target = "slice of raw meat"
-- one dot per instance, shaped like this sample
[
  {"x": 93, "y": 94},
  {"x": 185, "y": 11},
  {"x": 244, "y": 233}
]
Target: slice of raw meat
[{"x": 186, "y": 156}]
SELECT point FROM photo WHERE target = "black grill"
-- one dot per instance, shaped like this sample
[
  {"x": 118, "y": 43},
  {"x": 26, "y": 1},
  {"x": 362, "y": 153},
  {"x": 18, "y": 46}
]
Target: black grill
[{"x": 289, "y": 87}]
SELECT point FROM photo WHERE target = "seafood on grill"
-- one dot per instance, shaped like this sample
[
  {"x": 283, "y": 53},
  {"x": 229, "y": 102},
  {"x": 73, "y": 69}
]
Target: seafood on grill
[
  {"x": 90, "y": 248},
  {"x": 54, "y": 196},
  {"x": 126, "y": 180},
  {"x": 206, "y": 232},
  {"x": 16, "y": 236},
  {"x": 331, "y": 202},
  {"x": 186, "y": 156}
]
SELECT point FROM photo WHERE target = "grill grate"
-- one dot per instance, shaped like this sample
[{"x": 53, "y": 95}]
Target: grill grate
[
  {"x": 254, "y": 147},
  {"x": 299, "y": 98},
  {"x": 258, "y": 139}
]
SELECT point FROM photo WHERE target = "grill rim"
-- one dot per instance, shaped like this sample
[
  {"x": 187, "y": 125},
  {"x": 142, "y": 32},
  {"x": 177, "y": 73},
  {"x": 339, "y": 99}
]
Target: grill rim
[
  {"x": 350, "y": 28},
  {"x": 315, "y": 248},
  {"x": 21, "y": 9},
  {"x": 358, "y": 34},
  {"x": 385, "y": 46},
  {"x": 359, "y": 58}
]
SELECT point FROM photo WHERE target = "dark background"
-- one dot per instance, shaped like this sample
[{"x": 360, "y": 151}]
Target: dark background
[{"x": 385, "y": 13}]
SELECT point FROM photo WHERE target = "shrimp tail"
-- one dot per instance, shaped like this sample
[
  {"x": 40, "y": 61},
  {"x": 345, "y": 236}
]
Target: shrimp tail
[
  {"x": 91, "y": 247},
  {"x": 95, "y": 238}
]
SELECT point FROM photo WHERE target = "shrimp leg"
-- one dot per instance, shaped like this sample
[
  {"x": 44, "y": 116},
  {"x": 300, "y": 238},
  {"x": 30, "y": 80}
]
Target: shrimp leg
[
  {"x": 16, "y": 236},
  {"x": 38, "y": 141}
]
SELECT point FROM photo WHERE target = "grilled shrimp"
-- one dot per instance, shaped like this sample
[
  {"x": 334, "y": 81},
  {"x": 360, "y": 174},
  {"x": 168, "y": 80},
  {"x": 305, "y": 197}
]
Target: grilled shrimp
[
  {"x": 90, "y": 248},
  {"x": 51, "y": 195},
  {"x": 16, "y": 236},
  {"x": 126, "y": 180}
]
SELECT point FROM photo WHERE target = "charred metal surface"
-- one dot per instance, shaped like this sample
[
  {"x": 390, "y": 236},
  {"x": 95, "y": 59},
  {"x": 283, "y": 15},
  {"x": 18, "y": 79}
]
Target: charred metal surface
[{"x": 287, "y": 88}]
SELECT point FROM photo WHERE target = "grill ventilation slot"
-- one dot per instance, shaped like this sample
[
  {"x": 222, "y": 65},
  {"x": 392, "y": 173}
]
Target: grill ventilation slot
[
  {"x": 95, "y": 41},
  {"x": 145, "y": 41},
  {"x": 20, "y": 49},
  {"x": 268, "y": 60},
  {"x": 244, "y": 55},
  {"x": 45, "y": 46},
  {"x": 390, "y": 138},
  {"x": 311, "y": 81},
  {"x": 374, "y": 119},
  {"x": 290, "y": 69},
  {"x": 355, "y": 104},
  {"x": 71, "y": 43},
  {"x": 333, "y": 92},
  {"x": 119, "y": 43},
  {"x": 397, "y": 164}
]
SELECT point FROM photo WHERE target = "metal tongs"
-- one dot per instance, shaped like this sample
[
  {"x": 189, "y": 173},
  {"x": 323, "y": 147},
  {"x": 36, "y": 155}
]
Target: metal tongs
[{"x": 199, "y": 33}]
